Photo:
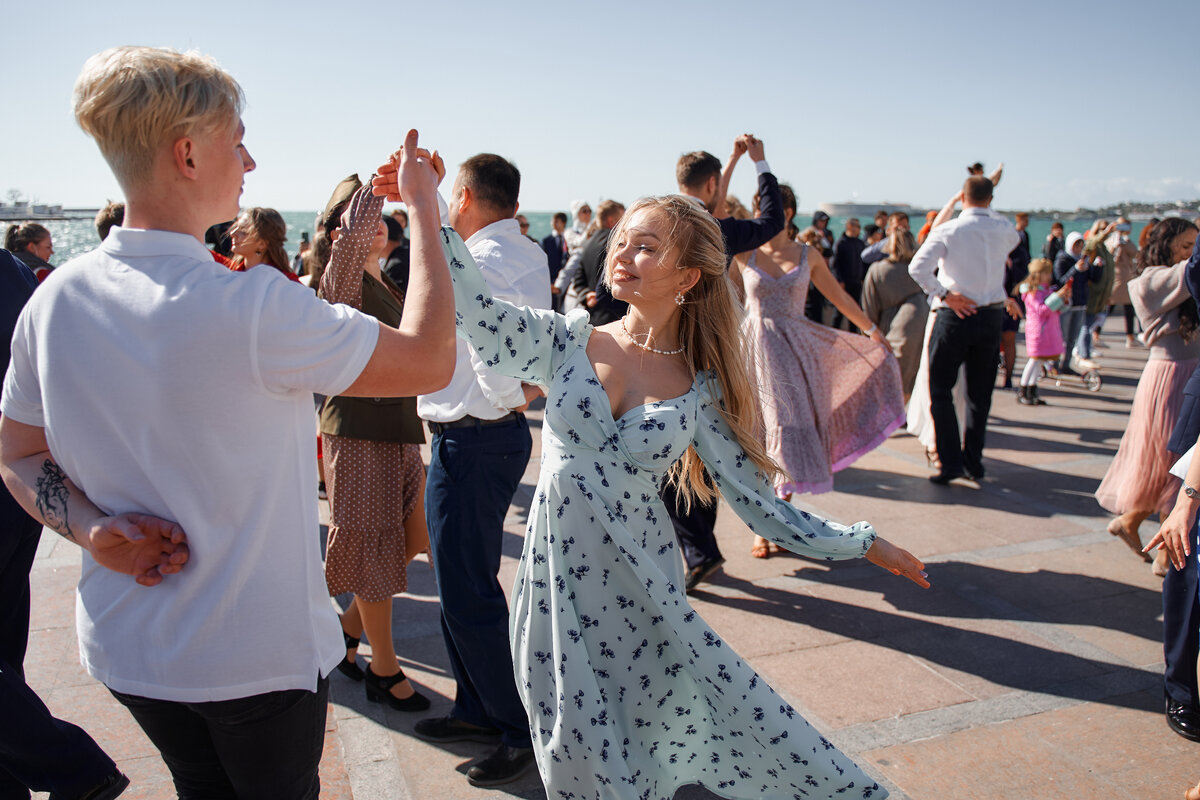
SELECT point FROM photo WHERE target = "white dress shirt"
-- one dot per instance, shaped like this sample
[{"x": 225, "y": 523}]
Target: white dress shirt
[
  {"x": 969, "y": 254},
  {"x": 515, "y": 270},
  {"x": 172, "y": 386}
]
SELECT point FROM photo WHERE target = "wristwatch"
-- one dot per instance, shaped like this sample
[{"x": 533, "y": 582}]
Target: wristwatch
[{"x": 1190, "y": 492}]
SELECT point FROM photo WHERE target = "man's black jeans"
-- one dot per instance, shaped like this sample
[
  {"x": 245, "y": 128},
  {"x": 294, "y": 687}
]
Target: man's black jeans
[
  {"x": 973, "y": 342},
  {"x": 266, "y": 745}
]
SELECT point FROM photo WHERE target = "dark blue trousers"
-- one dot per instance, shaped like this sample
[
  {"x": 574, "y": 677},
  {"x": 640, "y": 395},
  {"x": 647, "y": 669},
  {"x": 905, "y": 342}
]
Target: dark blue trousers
[
  {"x": 1181, "y": 603},
  {"x": 1181, "y": 630},
  {"x": 473, "y": 474},
  {"x": 975, "y": 343},
  {"x": 37, "y": 751}
]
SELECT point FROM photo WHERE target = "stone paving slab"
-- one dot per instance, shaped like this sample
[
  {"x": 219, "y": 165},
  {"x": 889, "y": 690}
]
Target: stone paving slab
[{"x": 1032, "y": 669}]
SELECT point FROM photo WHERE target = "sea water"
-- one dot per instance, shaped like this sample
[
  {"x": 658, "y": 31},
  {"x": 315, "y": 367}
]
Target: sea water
[{"x": 73, "y": 237}]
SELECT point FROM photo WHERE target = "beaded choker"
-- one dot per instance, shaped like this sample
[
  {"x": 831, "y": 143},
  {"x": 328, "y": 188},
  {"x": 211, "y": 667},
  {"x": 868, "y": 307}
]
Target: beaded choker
[{"x": 647, "y": 347}]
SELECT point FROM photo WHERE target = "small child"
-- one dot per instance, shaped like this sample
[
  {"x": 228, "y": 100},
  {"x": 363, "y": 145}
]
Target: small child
[{"x": 1043, "y": 332}]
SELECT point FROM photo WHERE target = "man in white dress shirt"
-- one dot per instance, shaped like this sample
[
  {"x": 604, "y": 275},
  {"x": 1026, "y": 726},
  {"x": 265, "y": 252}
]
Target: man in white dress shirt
[
  {"x": 969, "y": 254},
  {"x": 481, "y": 445},
  {"x": 153, "y": 392}
]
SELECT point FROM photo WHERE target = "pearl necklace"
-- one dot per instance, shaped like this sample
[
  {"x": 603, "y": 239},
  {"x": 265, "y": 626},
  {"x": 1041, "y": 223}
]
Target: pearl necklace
[{"x": 647, "y": 347}]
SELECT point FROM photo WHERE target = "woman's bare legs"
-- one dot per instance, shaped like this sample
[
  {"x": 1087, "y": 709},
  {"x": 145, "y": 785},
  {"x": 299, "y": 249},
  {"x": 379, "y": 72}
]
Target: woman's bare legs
[
  {"x": 763, "y": 548},
  {"x": 352, "y": 626},
  {"x": 377, "y": 623}
]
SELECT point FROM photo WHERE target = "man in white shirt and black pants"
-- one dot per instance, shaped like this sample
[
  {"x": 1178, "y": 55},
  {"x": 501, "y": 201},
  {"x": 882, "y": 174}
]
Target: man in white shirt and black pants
[
  {"x": 969, "y": 255},
  {"x": 481, "y": 445}
]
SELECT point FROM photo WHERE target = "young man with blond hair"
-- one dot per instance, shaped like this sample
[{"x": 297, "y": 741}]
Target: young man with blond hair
[{"x": 158, "y": 412}]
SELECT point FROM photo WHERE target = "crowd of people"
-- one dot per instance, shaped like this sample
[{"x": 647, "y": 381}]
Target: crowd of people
[{"x": 687, "y": 348}]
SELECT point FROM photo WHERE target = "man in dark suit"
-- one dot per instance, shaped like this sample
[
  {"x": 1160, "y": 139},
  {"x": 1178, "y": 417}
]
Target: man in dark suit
[
  {"x": 556, "y": 254},
  {"x": 847, "y": 267},
  {"x": 1181, "y": 605},
  {"x": 699, "y": 176},
  {"x": 589, "y": 280}
]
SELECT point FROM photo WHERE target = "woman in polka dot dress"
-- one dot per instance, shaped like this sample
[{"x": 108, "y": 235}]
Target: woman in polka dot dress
[
  {"x": 373, "y": 470},
  {"x": 629, "y": 693}
]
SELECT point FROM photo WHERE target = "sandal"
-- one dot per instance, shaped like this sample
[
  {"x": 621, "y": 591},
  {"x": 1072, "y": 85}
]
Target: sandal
[
  {"x": 1116, "y": 528},
  {"x": 931, "y": 458},
  {"x": 761, "y": 548}
]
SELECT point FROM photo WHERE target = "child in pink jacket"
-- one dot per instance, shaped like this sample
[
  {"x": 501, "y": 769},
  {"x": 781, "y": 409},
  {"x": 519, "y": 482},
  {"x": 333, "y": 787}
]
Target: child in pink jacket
[{"x": 1043, "y": 332}]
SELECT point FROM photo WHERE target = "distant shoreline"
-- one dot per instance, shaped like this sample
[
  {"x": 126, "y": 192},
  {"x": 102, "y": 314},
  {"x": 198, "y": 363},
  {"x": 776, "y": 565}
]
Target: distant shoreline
[{"x": 1136, "y": 212}]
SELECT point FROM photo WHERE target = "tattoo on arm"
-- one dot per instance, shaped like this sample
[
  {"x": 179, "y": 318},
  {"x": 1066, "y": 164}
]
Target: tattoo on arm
[{"x": 52, "y": 496}]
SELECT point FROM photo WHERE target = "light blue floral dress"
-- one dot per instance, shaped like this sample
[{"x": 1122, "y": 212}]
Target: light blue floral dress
[{"x": 629, "y": 693}]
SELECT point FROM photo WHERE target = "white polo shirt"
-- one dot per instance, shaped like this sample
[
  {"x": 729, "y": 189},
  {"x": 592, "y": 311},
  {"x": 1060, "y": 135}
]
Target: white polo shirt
[{"x": 169, "y": 385}]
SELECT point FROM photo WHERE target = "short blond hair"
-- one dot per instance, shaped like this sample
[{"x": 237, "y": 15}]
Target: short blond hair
[{"x": 132, "y": 99}]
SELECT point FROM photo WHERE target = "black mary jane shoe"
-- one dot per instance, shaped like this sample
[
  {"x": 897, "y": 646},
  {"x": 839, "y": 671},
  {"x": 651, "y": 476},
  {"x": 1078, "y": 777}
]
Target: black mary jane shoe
[
  {"x": 349, "y": 668},
  {"x": 379, "y": 690}
]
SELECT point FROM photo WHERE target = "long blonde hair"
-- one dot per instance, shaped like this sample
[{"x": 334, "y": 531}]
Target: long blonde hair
[{"x": 709, "y": 330}]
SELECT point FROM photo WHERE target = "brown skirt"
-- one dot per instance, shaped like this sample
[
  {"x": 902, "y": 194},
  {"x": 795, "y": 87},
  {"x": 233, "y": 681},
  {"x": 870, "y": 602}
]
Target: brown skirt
[{"x": 373, "y": 489}]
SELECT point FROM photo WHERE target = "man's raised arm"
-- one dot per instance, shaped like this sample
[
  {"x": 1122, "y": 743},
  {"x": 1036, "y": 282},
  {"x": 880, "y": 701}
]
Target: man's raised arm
[{"x": 746, "y": 234}]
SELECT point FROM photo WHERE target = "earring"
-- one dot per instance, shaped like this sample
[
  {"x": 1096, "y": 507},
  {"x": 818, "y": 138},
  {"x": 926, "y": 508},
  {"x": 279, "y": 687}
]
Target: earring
[{"x": 679, "y": 298}]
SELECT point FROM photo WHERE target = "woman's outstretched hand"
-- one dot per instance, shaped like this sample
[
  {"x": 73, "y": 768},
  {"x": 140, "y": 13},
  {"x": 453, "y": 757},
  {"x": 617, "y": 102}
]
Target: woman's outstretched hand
[
  {"x": 897, "y": 561},
  {"x": 411, "y": 174}
]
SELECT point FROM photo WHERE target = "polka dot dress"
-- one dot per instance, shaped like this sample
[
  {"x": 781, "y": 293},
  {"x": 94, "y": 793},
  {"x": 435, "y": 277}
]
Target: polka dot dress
[
  {"x": 373, "y": 486},
  {"x": 373, "y": 489}
]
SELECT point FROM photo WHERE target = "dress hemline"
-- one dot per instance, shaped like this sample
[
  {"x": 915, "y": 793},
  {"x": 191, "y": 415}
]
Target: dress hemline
[{"x": 808, "y": 487}]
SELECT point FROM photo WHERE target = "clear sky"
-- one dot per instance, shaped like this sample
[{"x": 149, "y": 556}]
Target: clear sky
[{"x": 1086, "y": 102}]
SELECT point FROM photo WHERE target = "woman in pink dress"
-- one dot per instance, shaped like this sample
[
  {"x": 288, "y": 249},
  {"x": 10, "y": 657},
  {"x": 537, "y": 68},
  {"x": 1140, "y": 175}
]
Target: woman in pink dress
[
  {"x": 1138, "y": 483},
  {"x": 829, "y": 396}
]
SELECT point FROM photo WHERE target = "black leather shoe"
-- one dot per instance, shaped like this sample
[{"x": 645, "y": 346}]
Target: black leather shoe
[
  {"x": 379, "y": 690},
  {"x": 449, "y": 729},
  {"x": 505, "y": 765},
  {"x": 1184, "y": 720},
  {"x": 109, "y": 788},
  {"x": 943, "y": 478},
  {"x": 702, "y": 572}
]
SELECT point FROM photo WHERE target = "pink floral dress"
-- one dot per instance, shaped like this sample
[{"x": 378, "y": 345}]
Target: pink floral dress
[{"x": 829, "y": 397}]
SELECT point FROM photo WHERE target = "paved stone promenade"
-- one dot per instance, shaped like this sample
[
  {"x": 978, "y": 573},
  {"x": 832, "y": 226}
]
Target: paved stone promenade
[{"x": 1031, "y": 670}]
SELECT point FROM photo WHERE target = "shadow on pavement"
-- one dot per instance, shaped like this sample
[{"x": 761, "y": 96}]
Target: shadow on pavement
[
  {"x": 1020, "y": 665},
  {"x": 1017, "y": 489}
]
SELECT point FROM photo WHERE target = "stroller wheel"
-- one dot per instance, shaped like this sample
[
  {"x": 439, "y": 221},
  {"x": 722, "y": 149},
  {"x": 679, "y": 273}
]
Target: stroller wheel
[{"x": 1093, "y": 381}]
